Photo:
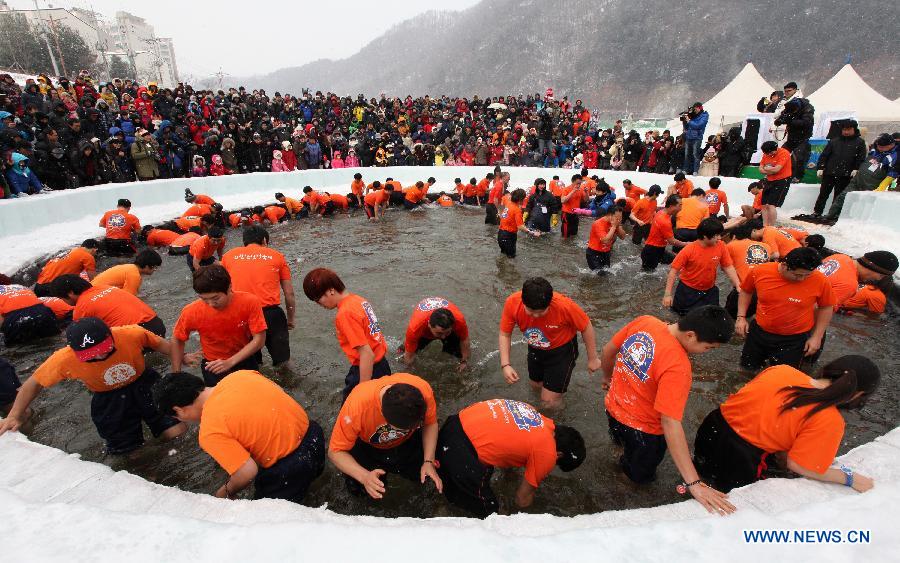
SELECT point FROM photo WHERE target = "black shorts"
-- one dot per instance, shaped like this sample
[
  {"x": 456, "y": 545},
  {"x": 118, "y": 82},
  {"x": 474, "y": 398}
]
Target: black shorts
[
  {"x": 404, "y": 460},
  {"x": 409, "y": 205},
  {"x": 156, "y": 326},
  {"x": 470, "y": 200},
  {"x": 685, "y": 235},
  {"x": 42, "y": 289},
  {"x": 9, "y": 383},
  {"x": 211, "y": 379},
  {"x": 327, "y": 209},
  {"x": 379, "y": 369},
  {"x": 491, "y": 215},
  {"x": 370, "y": 210},
  {"x": 467, "y": 481},
  {"x": 451, "y": 344},
  {"x": 731, "y": 304},
  {"x": 538, "y": 220},
  {"x": 179, "y": 250},
  {"x": 205, "y": 262},
  {"x": 507, "y": 242},
  {"x": 653, "y": 256},
  {"x": 569, "y": 225},
  {"x": 643, "y": 452},
  {"x": 763, "y": 349},
  {"x": 27, "y": 324},
  {"x": 118, "y": 247},
  {"x": 289, "y": 478},
  {"x": 639, "y": 233},
  {"x": 775, "y": 192},
  {"x": 553, "y": 367},
  {"x": 303, "y": 213},
  {"x": 597, "y": 260},
  {"x": 724, "y": 459},
  {"x": 686, "y": 298},
  {"x": 277, "y": 338},
  {"x": 117, "y": 414}
]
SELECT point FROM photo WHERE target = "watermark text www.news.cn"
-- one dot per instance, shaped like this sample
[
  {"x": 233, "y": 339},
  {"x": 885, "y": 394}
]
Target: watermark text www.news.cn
[{"x": 807, "y": 536}]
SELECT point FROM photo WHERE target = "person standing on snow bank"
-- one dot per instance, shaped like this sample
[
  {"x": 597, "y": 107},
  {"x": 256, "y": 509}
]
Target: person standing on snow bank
[{"x": 694, "y": 122}]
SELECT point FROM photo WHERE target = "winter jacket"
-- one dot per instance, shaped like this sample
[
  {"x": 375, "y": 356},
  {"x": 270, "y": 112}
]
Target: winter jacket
[
  {"x": 694, "y": 127},
  {"x": 731, "y": 153},
  {"x": 51, "y": 165},
  {"x": 145, "y": 155},
  {"x": 799, "y": 122},
  {"x": 842, "y": 155},
  {"x": 22, "y": 180},
  {"x": 602, "y": 203}
]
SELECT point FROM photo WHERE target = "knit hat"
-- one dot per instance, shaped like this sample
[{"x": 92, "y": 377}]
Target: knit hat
[
  {"x": 884, "y": 140},
  {"x": 189, "y": 195},
  {"x": 879, "y": 261}
]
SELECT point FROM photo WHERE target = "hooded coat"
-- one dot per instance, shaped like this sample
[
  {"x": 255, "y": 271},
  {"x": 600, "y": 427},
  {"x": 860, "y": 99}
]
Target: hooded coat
[
  {"x": 842, "y": 155},
  {"x": 22, "y": 180}
]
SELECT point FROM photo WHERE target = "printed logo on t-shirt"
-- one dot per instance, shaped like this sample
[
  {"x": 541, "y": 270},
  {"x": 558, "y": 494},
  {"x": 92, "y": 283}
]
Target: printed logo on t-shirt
[
  {"x": 829, "y": 267},
  {"x": 119, "y": 373},
  {"x": 757, "y": 254},
  {"x": 116, "y": 220},
  {"x": 636, "y": 354},
  {"x": 374, "y": 327},
  {"x": 712, "y": 198},
  {"x": 385, "y": 434},
  {"x": 432, "y": 303},
  {"x": 524, "y": 415},
  {"x": 786, "y": 234},
  {"x": 504, "y": 214},
  {"x": 535, "y": 338},
  {"x": 11, "y": 289}
]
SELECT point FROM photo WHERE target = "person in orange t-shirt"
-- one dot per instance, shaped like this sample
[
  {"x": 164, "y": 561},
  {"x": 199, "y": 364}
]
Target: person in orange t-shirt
[
  {"x": 293, "y": 206},
  {"x": 481, "y": 188},
  {"x": 204, "y": 249},
  {"x": 780, "y": 243},
  {"x": 661, "y": 234},
  {"x": 24, "y": 317},
  {"x": 795, "y": 303},
  {"x": 114, "y": 306},
  {"x": 375, "y": 203},
  {"x": 868, "y": 297},
  {"x": 317, "y": 203},
  {"x": 682, "y": 187},
  {"x": 632, "y": 191},
  {"x": 716, "y": 199},
  {"x": 197, "y": 210},
  {"x": 357, "y": 186},
  {"x": 501, "y": 433},
  {"x": 79, "y": 259},
  {"x": 61, "y": 309},
  {"x": 604, "y": 232},
  {"x": 414, "y": 196},
  {"x": 846, "y": 274},
  {"x": 693, "y": 210},
  {"x": 746, "y": 254},
  {"x": 642, "y": 214},
  {"x": 571, "y": 199},
  {"x": 254, "y": 430},
  {"x": 753, "y": 211},
  {"x": 182, "y": 245},
  {"x": 785, "y": 410},
  {"x": 341, "y": 202},
  {"x": 204, "y": 199},
  {"x": 386, "y": 425},
  {"x": 511, "y": 222},
  {"x": 647, "y": 373},
  {"x": 120, "y": 227},
  {"x": 263, "y": 271},
  {"x": 358, "y": 332},
  {"x": 130, "y": 276},
  {"x": 776, "y": 165},
  {"x": 159, "y": 237},
  {"x": 696, "y": 266},
  {"x": 549, "y": 321},
  {"x": 470, "y": 193},
  {"x": 110, "y": 363},
  {"x": 230, "y": 323},
  {"x": 435, "y": 318},
  {"x": 274, "y": 214}
]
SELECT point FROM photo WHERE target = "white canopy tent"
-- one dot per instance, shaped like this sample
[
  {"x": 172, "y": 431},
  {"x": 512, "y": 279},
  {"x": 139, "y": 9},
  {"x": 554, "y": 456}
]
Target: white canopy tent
[{"x": 847, "y": 91}]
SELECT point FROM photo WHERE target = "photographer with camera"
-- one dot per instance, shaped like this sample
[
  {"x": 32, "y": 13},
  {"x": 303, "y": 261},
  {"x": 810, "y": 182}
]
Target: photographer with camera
[
  {"x": 798, "y": 117},
  {"x": 694, "y": 120}
]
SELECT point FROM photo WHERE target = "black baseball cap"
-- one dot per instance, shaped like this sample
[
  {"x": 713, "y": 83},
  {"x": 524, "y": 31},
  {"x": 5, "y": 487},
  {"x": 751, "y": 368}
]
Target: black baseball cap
[{"x": 88, "y": 338}]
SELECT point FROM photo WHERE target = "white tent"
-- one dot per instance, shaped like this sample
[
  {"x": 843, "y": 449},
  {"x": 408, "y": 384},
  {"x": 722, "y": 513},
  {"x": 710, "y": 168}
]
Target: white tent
[
  {"x": 848, "y": 91},
  {"x": 738, "y": 98}
]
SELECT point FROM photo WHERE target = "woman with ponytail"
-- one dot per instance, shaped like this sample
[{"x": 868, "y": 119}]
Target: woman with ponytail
[{"x": 785, "y": 410}]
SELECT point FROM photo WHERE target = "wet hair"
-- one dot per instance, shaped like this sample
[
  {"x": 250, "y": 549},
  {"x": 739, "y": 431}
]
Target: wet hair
[
  {"x": 569, "y": 447},
  {"x": 848, "y": 375},
  {"x": 537, "y": 293},
  {"x": 602, "y": 186},
  {"x": 679, "y": 176},
  {"x": 752, "y": 186},
  {"x": 126, "y": 203},
  {"x": 473, "y": 181},
  {"x": 420, "y": 184},
  {"x": 715, "y": 182},
  {"x": 319, "y": 280},
  {"x": 541, "y": 181},
  {"x": 148, "y": 258},
  {"x": 556, "y": 177},
  {"x": 673, "y": 200},
  {"x": 389, "y": 187},
  {"x": 207, "y": 219},
  {"x": 215, "y": 232},
  {"x": 90, "y": 243},
  {"x": 457, "y": 180},
  {"x": 212, "y": 279},
  {"x": 576, "y": 177},
  {"x": 254, "y": 234},
  {"x": 517, "y": 195},
  {"x": 584, "y": 171},
  {"x": 431, "y": 180},
  {"x": 626, "y": 181},
  {"x": 742, "y": 231},
  {"x": 815, "y": 241},
  {"x": 441, "y": 318},
  {"x": 279, "y": 195},
  {"x": 711, "y": 324},
  {"x": 178, "y": 389},
  {"x": 698, "y": 192},
  {"x": 259, "y": 210},
  {"x": 403, "y": 406},
  {"x": 376, "y": 184},
  {"x": 307, "y": 189},
  {"x": 490, "y": 176},
  {"x": 769, "y": 146},
  {"x": 803, "y": 258},
  {"x": 357, "y": 176},
  {"x": 69, "y": 283},
  {"x": 709, "y": 227}
]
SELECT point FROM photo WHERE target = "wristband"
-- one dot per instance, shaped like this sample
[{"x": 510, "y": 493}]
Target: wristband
[
  {"x": 742, "y": 316},
  {"x": 848, "y": 475},
  {"x": 431, "y": 461},
  {"x": 683, "y": 487},
  {"x": 505, "y": 366}
]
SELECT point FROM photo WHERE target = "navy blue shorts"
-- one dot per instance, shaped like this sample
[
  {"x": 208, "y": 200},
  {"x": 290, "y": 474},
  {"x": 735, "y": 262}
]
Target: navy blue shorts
[
  {"x": 156, "y": 326},
  {"x": 205, "y": 262},
  {"x": 277, "y": 337},
  {"x": 117, "y": 414},
  {"x": 30, "y": 323},
  {"x": 211, "y": 379},
  {"x": 597, "y": 260},
  {"x": 643, "y": 452},
  {"x": 507, "y": 242},
  {"x": 404, "y": 460},
  {"x": 379, "y": 369},
  {"x": 289, "y": 478},
  {"x": 467, "y": 481},
  {"x": 553, "y": 367},
  {"x": 9, "y": 383},
  {"x": 687, "y": 298}
]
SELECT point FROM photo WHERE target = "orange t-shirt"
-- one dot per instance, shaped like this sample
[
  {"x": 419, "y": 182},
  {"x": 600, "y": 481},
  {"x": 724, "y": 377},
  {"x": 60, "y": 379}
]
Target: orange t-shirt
[
  {"x": 684, "y": 188},
  {"x": 867, "y": 297},
  {"x": 445, "y": 201},
  {"x": 644, "y": 209},
  {"x": 203, "y": 248},
  {"x": 692, "y": 212},
  {"x": 123, "y": 276},
  {"x": 754, "y": 413},
  {"x": 511, "y": 218},
  {"x": 509, "y": 433},
  {"x": 315, "y": 198},
  {"x": 203, "y": 199},
  {"x": 660, "y": 230},
  {"x": 161, "y": 237},
  {"x": 59, "y": 307},
  {"x": 715, "y": 199},
  {"x": 460, "y": 188},
  {"x": 652, "y": 376},
  {"x": 418, "y": 322},
  {"x": 187, "y": 223},
  {"x": 470, "y": 190},
  {"x": 396, "y": 184},
  {"x": 413, "y": 194},
  {"x": 258, "y": 270},
  {"x": 356, "y": 187},
  {"x": 274, "y": 213},
  {"x": 556, "y": 187},
  {"x": 198, "y": 210},
  {"x": 357, "y": 325},
  {"x": 747, "y": 254},
  {"x": 574, "y": 202},
  {"x": 360, "y": 418},
  {"x": 293, "y": 205},
  {"x": 699, "y": 265},
  {"x": 222, "y": 332},
  {"x": 379, "y": 197},
  {"x": 797, "y": 234},
  {"x": 757, "y": 201},
  {"x": 481, "y": 187},
  {"x": 114, "y": 306},
  {"x": 781, "y": 157},
  {"x": 247, "y": 416},
  {"x": 840, "y": 270},
  {"x": 121, "y": 368},
  {"x": 600, "y": 229},
  {"x": 340, "y": 201},
  {"x": 15, "y": 297},
  {"x": 635, "y": 192},
  {"x": 563, "y": 319},
  {"x": 186, "y": 239},
  {"x": 74, "y": 262},
  {"x": 779, "y": 241},
  {"x": 119, "y": 224},
  {"x": 785, "y": 307}
]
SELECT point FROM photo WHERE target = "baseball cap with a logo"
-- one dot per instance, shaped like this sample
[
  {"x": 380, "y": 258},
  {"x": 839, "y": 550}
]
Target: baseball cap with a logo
[{"x": 89, "y": 337}]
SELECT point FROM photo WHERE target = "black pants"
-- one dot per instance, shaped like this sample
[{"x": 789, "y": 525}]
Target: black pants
[
  {"x": 731, "y": 304},
  {"x": 450, "y": 345},
  {"x": 409, "y": 205},
  {"x": 799, "y": 158},
  {"x": 491, "y": 216},
  {"x": 29, "y": 323},
  {"x": 829, "y": 184},
  {"x": 653, "y": 256},
  {"x": 117, "y": 414},
  {"x": 764, "y": 349},
  {"x": 118, "y": 247},
  {"x": 643, "y": 452},
  {"x": 9, "y": 383},
  {"x": 277, "y": 338},
  {"x": 686, "y": 298},
  {"x": 204, "y": 262},
  {"x": 289, "y": 478},
  {"x": 467, "y": 481},
  {"x": 507, "y": 242},
  {"x": 470, "y": 200},
  {"x": 597, "y": 260},
  {"x": 724, "y": 459},
  {"x": 685, "y": 235},
  {"x": 538, "y": 220},
  {"x": 639, "y": 233},
  {"x": 379, "y": 369},
  {"x": 211, "y": 379},
  {"x": 404, "y": 460},
  {"x": 156, "y": 326},
  {"x": 569, "y": 225},
  {"x": 553, "y": 367}
]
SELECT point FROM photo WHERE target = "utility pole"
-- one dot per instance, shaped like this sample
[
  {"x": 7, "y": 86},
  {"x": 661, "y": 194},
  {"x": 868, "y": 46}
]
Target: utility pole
[
  {"x": 62, "y": 60},
  {"x": 101, "y": 44},
  {"x": 220, "y": 76},
  {"x": 46, "y": 39}
]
